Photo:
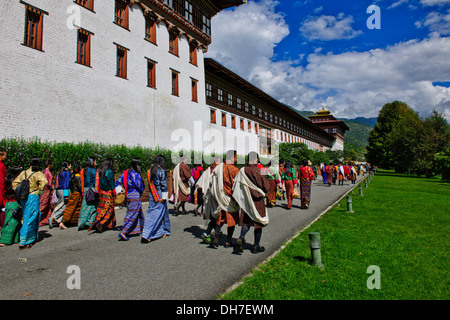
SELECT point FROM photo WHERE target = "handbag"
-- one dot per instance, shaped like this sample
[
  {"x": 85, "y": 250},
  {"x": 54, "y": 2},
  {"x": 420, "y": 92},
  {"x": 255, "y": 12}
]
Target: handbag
[
  {"x": 120, "y": 198},
  {"x": 295, "y": 193},
  {"x": 90, "y": 195}
]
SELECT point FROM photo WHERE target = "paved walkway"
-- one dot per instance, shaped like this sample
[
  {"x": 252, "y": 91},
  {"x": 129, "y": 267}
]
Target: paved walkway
[{"x": 178, "y": 267}]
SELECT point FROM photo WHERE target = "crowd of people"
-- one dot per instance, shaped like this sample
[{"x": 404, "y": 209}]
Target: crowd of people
[{"x": 86, "y": 196}]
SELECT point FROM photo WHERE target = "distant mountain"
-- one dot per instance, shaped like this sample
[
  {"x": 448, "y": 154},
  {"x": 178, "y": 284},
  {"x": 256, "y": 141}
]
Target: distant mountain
[{"x": 369, "y": 121}]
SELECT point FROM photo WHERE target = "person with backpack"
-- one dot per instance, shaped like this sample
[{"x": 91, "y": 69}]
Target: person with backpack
[
  {"x": 89, "y": 204},
  {"x": 27, "y": 188}
]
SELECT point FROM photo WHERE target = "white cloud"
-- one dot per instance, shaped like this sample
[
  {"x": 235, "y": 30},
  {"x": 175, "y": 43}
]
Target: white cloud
[
  {"x": 351, "y": 84},
  {"x": 434, "y": 2},
  {"x": 436, "y": 22},
  {"x": 329, "y": 28}
]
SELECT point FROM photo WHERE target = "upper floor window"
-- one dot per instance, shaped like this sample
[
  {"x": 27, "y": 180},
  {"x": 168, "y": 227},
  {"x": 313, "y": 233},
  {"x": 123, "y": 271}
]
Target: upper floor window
[
  {"x": 121, "y": 64},
  {"x": 33, "y": 28},
  {"x": 220, "y": 94},
  {"x": 121, "y": 14},
  {"x": 88, "y": 4},
  {"x": 150, "y": 30},
  {"x": 175, "y": 88},
  {"x": 207, "y": 25},
  {"x": 173, "y": 43},
  {"x": 84, "y": 48},
  {"x": 192, "y": 54},
  {"x": 188, "y": 11},
  {"x": 208, "y": 90}
]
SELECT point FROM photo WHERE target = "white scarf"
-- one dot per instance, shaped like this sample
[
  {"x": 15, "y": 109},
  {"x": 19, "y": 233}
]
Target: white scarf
[
  {"x": 178, "y": 183},
  {"x": 217, "y": 199},
  {"x": 241, "y": 192}
]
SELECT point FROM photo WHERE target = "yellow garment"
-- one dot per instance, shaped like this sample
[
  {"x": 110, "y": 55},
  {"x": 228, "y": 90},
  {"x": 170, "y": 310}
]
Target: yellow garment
[{"x": 38, "y": 181}]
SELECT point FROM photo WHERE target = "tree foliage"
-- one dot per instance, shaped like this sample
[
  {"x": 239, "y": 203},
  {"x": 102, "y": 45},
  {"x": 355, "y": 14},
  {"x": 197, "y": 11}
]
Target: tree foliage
[{"x": 403, "y": 141}]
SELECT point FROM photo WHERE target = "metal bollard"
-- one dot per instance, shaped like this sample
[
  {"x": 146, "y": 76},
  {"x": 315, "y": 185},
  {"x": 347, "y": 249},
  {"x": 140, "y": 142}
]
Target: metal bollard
[
  {"x": 314, "y": 244},
  {"x": 349, "y": 204},
  {"x": 360, "y": 190}
]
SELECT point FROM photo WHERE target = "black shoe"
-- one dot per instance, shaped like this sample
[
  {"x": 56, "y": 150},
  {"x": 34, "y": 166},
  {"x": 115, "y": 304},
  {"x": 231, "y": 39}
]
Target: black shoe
[
  {"x": 214, "y": 239},
  {"x": 239, "y": 245},
  {"x": 257, "y": 249}
]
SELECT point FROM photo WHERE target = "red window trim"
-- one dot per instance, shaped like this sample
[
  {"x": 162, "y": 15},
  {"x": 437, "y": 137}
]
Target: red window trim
[
  {"x": 121, "y": 61},
  {"x": 33, "y": 29},
  {"x": 88, "y": 4},
  {"x": 194, "y": 84},
  {"x": 175, "y": 83},
  {"x": 84, "y": 53},
  {"x": 121, "y": 18},
  {"x": 151, "y": 73}
]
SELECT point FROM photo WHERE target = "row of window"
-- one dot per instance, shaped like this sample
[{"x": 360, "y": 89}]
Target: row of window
[
  {"x": 232, "y": 101},
  {"x": 261, "y": 131},
  {"x": 34, "y": 32},
  {"x": 33, "y": 39},
  {"x": 184, "y": 8}
]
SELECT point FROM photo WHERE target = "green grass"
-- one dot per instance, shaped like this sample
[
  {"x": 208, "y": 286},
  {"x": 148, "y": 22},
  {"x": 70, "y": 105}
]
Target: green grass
[{"x": 401, "y": 225}]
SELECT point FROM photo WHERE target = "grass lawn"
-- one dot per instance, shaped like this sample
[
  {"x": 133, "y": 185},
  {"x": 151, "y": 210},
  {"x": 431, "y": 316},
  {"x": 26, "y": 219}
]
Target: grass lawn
[{"x": 401, "y": 225}]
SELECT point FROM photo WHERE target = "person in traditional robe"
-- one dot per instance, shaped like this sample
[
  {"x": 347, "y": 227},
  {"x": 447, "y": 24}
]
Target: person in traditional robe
[
  {"x": 157, "y": 221},
  {"x": 105, "y": 185},
  {"x": 89, "y": 205},
  {"x": 47, "y": 205},
  {"x": 324, "y": 173},
  {"x": 329, "y": 174},
  {"x": 62, "y": 181},
  {"x": 30, "y": 206},
  {"x": 219, "y": 204},
  {"x": 353, "y": 174},
  {"x": 249, "y": 190},
  {"x": 340, "y": 174},
  {"x": 274, "y": 179},
  {"x": 228, "y": 212},
  {"x": 2, "y": 186},
  {"x": 9, "y": 234},
  {"x": 305, "y": 176},
  {"x": 203, "y": 185},
  {"x": 281, "y": 185},
  {"x": 182, "y": 179},
  {"x": 290, "y": 181},
  {"x": 73, "y": 207},
  {"x": 131, "y": 180}
]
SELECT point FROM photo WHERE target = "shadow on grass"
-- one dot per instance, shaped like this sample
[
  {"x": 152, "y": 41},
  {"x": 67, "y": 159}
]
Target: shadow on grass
[{"x": 304, "y": 259}]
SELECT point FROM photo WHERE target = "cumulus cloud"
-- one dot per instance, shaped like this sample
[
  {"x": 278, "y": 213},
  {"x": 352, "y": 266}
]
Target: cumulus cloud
[
  {"x": 327, "y": 27},
  {"x": 350, "y": 84}
]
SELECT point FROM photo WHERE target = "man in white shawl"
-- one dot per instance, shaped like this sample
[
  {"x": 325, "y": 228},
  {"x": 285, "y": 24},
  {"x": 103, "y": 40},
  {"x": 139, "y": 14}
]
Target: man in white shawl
[
  {"x": 250, "y": 188},
  {"x": 219, "y": 204},
  {"x": 203, "y": 185}
]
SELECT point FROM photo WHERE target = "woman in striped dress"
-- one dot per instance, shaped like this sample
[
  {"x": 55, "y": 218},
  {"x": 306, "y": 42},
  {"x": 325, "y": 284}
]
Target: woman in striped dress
[{"x": 131, "y": 180}]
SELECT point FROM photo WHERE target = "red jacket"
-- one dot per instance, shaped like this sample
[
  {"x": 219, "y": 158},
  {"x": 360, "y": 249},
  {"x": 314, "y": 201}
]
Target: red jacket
[{"x": 2, "y": 184}]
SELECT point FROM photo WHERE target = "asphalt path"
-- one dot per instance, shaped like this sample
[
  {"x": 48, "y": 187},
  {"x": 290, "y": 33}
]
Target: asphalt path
[{"x": 178, "y": 267}]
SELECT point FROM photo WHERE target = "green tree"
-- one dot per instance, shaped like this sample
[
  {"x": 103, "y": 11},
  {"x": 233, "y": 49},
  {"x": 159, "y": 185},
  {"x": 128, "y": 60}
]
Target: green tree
[{"x": 378, "y": 147}]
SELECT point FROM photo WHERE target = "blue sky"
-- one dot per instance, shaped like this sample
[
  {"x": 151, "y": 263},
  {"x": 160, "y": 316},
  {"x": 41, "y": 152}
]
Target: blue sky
[{"x": 310, "y": 53}]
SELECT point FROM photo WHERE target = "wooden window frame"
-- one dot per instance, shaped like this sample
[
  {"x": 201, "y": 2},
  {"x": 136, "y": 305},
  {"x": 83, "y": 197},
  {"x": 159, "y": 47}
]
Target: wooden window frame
[
  {"x": 84, "y": 47},
  {"x": 88, "y": 4},
  {"x": 121, "y": 14},
  {"x": 121, "y": 61},
  {"x": 242, "y": 124},
  {"x": 233, "y": 122},
  {"x": 150, "y": 30},
  {"x": 193, "y": 54},
  {"x": 34, "y": 27},
  {"x": 224, "y": 119},
  {"x": 194, "y": 86},
  {"x": 173, "y": 43},
  {"x": 151, "y": 73},
  {"x": 212, "y": 116},
  {"x": 175, "y": 83}
]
